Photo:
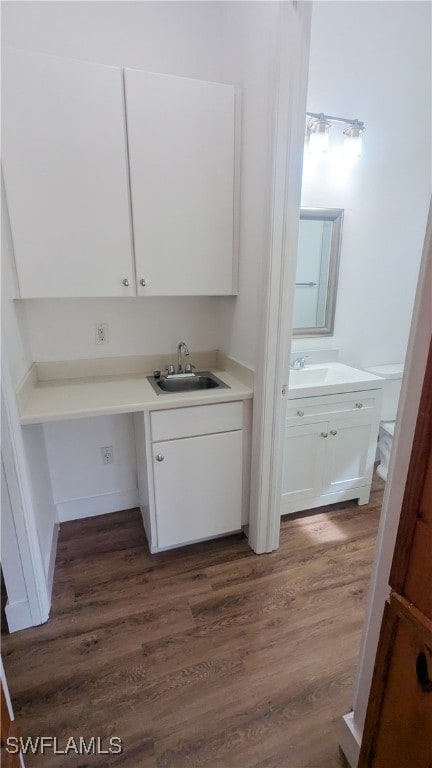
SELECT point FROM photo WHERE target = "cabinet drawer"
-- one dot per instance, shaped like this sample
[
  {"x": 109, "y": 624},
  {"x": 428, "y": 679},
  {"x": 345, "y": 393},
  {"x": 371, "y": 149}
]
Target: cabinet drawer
[
  {"x": 307, "y": 410},
  {"x": 197, "y": 420}
]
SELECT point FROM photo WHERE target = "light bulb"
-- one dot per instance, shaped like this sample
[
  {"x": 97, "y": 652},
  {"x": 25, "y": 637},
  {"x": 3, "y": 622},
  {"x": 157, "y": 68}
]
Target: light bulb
[
  {"x": 318, "y": 143},
  {"x": 353, "y": 141},
  {"x": 318, "y": 134},
  {"x": 353, "y": 147}
]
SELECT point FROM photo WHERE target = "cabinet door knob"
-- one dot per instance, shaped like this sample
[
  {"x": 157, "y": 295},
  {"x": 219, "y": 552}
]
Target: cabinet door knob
[
  {"x": 143, "y": 282},
  {"x": 359, "y": 405},
  {"x": 324, "y": 434},
  {"x": 333, "y": 431},
  {"x": 159, "y": 457},
  {"x": 126, "y": 282},
  {"x": 300, "y": 413}
]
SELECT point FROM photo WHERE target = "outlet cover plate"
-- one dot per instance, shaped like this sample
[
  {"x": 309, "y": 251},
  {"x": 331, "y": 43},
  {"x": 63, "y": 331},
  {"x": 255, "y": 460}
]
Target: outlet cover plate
[{"x": 101, "y": 333}]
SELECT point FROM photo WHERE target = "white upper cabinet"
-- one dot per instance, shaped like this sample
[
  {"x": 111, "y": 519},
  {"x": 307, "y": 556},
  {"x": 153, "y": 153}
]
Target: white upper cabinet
[
  {"x": 181, "y": 136},
  {"x": 69, "y": 128},
  {"x": 64, "y": 159}
]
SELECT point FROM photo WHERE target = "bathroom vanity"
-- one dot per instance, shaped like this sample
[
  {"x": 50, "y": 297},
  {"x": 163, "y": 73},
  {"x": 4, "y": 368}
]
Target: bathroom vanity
[
  {"x": 192, "y": 446},
  {"x": 331, "y": 429}
]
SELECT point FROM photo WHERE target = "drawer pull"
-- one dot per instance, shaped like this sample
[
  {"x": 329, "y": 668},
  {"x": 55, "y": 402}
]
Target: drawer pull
[
  {"x": 423, "y": 674},
  {"x": 159, "y": 457},
  {"x": 333, "y": 431},
  {"x": 359, "y": 405},
  {"x": 300, "y": 413},
  {"x": 324, "y": 434}
]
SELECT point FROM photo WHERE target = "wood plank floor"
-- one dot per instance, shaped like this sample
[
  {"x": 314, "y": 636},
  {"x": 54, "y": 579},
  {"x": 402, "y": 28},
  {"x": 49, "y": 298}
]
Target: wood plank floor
[{"x": 206, "y": 656}]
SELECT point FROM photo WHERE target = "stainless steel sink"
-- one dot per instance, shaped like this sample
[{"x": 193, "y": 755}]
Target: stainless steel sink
[{"x": 174, "y": 384}]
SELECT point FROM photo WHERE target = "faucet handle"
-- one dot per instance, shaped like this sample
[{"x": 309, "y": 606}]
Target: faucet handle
[
  {"x": 170, "y": 369},
  {"x": 298, "y": 362},
  {"x": 189, "y": 367}
]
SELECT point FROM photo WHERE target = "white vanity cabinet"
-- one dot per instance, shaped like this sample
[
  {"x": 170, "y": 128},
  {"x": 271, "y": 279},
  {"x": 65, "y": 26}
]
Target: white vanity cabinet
[
  {"x": 190, "y": 472},
  {"x": 118, "y": 182},
  {"x": 330, "y": 446}
]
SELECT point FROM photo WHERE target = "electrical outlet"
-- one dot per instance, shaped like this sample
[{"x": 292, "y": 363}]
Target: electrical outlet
[
  {"x": 107, "y": 452},
  {"x": 101, "y": 333}
]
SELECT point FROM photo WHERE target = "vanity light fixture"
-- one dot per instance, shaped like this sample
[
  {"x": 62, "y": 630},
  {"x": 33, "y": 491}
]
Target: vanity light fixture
[{"x": 317, "y": 134}]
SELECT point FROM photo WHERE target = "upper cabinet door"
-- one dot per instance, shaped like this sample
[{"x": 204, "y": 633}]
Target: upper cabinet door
[
  {"x": 65, "y": 167},
  {"x": 181, "y": 149}
]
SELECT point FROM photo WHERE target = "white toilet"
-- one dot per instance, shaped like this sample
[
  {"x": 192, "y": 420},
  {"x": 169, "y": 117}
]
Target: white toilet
[{"x": 392, "y": 375}]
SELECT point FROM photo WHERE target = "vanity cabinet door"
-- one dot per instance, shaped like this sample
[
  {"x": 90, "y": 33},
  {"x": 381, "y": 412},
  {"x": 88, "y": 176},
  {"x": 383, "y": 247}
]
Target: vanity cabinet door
[
  {"x": 351, "y": 448},
  {"x": 332, "y": 458},
  {"x": 66, "y": 178},
  {"x": 181, "y": 136},
  {"x": 197, "y": 487},
  {"x": 304, "y": 461}
]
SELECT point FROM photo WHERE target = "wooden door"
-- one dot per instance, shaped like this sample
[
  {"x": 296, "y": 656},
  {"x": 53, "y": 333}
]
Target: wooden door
[
  {"x": 9, "y": 728},
  {"x": 411, "y": 572},
  {"x": 398, "y": 727},
  {"x": 181, "y": 148},
  {"x": 65, "y": 169},
  {"x": 418, "y": 583},
  {"x": 403, "y": 735}
]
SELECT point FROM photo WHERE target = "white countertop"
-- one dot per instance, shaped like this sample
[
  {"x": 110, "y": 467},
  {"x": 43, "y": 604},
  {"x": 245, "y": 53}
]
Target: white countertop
[
  {"x": 330, "y": 378},
  {"x": 105, "y": 395}
]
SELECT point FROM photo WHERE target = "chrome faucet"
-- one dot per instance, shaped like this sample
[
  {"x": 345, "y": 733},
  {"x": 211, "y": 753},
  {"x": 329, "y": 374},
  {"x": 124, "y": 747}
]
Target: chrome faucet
[
  {"x": 298, "y": 363},
  {"x": 181, "y": 347}
]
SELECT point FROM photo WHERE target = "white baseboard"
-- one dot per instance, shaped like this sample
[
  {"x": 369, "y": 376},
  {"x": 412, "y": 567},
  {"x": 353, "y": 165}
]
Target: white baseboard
[
  {"x": 91, "y": 506},
  {"x": 361, "y": 493},
  {"x": 350, "y": 740},
  {"x": 52, "y": 558},
  {"x": 18, "y": 616}
]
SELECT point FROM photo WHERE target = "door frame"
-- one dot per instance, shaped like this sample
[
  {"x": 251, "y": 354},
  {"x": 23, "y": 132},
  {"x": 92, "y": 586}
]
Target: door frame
[
  {"x": 279, "y": 277},
  {"x": 35, "y": 609},
  {"x": 353, "y": 722}
]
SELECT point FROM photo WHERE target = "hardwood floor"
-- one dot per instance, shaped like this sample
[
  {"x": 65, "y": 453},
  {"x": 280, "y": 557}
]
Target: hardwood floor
[{"x": 205, "y": 656}]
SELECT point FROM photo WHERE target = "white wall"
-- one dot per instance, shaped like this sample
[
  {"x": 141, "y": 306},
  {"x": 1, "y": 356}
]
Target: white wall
[
  {"x": 64, "y": 329},
  {"x": 15, "y": 343},
  {"x": 17, "y": 359},
  {"x": 43, "y": 503},
  {"x": 180, "y": 38},
  {"x": 91, "y": 487},
  {"x": 228, "y": 42},
  {"x": 251, "y": 44},
  {"x": 11, "y": 563},
  {"x": 371, "y": 61}
]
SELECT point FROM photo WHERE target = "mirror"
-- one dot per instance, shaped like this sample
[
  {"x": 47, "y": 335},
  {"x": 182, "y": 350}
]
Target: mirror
[{"x": 320, "y": 234}]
